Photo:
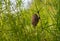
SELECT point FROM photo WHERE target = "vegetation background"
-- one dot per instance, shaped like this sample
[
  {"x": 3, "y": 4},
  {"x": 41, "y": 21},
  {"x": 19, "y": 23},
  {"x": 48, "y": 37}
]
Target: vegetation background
[{"x": 15, "y": 21}]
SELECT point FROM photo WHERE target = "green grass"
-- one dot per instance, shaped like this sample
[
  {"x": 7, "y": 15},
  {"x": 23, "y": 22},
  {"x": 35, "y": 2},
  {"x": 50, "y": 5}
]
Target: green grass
[{"x": 18, "y": 27}]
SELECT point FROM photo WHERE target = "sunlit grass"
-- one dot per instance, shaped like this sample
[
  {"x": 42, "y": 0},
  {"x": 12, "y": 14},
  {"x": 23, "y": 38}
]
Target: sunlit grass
[{"x": 18, "y": 27}]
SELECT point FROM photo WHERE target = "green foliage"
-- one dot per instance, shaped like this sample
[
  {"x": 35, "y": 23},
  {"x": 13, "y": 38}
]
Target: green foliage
[{"x": 18, "y": 27}]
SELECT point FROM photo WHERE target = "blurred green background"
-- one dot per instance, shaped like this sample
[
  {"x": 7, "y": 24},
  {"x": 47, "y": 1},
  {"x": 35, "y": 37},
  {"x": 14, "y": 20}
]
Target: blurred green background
[{"x": 15, "y": 20}]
